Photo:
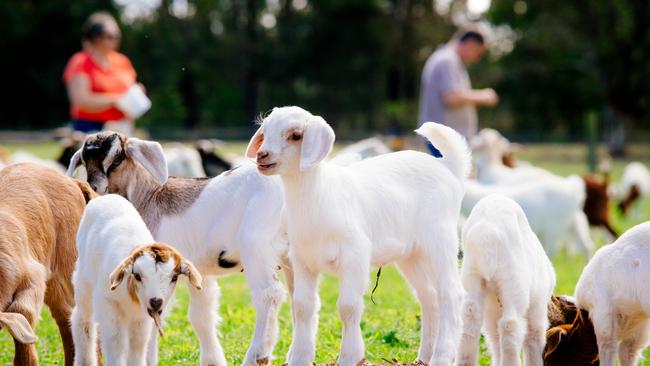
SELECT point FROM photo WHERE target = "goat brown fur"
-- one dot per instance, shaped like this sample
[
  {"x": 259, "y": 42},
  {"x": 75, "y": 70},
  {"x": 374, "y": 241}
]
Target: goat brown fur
[
  {"x": 570, "y": 338},
  {"x": 597, "y": 203},
  {"x": 40, "y": 211}
]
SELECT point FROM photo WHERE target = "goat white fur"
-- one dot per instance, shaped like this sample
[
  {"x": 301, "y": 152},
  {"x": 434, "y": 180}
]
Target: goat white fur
[
  {"x": 635, "y": 177},
  {"x": 553, "y": 208},
  {"x": 488, "y": 148},
  {"x": 114, "y": 244},
  {"x": 26, "y": 157},
  {"x": 222, "y": 224},
  {"x": 635, "y": 173},
  {"x": 508, "y": 280},
  {"x": 400, "y": 207},
  {"x": 613, "y": 287},
  {"x": 366, "y": 148},
  {"x": 183, "y": 161}
]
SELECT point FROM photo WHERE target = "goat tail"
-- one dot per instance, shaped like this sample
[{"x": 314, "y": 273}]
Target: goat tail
[{"x": 453, "y": 147}]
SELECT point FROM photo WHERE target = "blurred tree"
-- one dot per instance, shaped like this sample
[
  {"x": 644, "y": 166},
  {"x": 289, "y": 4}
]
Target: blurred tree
[
  {"x": 573, "y": 57},
  {"x": 38, "y": 38}
]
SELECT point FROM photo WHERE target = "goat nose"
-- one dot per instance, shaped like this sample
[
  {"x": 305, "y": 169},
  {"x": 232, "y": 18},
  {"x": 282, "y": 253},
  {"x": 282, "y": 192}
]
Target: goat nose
[
  {"x": 262, "y": 154},
  {"x": 155, "y": 303}
]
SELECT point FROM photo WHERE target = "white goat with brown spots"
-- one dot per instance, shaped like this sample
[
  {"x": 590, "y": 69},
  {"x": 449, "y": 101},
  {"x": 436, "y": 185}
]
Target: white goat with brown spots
[
  {"x": 115, "y": 246},
  {"x": 508, "y": 279},
  {"x": 224, "y": 225},
  {"x": 401, "y": 207}
]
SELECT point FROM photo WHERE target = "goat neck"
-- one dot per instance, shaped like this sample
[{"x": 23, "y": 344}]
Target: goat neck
[{"x": 304, "y": 191}]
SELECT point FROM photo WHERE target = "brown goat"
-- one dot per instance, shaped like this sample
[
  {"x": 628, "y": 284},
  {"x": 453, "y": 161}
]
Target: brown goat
[
  {"x": 597, "y": 203},
  {"x": 570, "y": 338},
  {"x": 40, "y": 211}
]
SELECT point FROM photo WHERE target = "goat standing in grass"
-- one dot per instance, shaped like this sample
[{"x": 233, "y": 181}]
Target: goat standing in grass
[
  {"x": 223, "y": 225},
  {"x": 401, "y": 207},
  {"x": 40, "y": 211},
  {"x": 115, "y": 246},
  {"x": 613, "y": 288},
  {"x": 509, "y": 280}
]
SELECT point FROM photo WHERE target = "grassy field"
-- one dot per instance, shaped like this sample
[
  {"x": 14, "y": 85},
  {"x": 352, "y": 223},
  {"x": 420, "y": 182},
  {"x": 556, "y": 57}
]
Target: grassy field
[{"x": 390, "y": 328}]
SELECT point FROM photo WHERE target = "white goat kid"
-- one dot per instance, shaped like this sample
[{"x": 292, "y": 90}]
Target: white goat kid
[
  {"x": 553, "y": 208},
  {"x": 222, "y": 224},
  {"x": 508, "y": 279},
  {"x": 115, "y": 245},
  {"x": 613, "y": 287},
  {"x": 633, "y": 188},
  {"x": 401, "y": 207},
  {"x": 488, "y": 148},
  {"x": 183, "y": 161}
]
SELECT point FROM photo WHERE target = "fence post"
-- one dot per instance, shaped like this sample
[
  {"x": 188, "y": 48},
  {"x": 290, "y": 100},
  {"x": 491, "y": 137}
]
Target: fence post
[{"x": 592, "y": 132}]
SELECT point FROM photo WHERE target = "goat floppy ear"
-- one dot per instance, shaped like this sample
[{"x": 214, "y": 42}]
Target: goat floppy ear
[
  {"x": 19, "y": 327},
  {"x": 554, "y": 337},
  {"x": 255, "y": 143},
  {"x": 193, "y": 275},
  {"x": 85, "y": 189},
  {"x": 75, "y": 161},
  {"x": 150, "y": 155},
  {"x": 118, "y": 273},
  {"x": 317, "y": 142}
]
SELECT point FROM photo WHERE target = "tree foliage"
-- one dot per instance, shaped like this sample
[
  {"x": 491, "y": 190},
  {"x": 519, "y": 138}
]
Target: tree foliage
[
  {"x": 573, "y": 57},
  {"x": 357, "y": 62}
]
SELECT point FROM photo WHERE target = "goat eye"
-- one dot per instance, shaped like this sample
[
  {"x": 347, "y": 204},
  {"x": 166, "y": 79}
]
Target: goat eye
[
  {"x": 137, "y": 277},
  {"x": 117, "y": 162},
  {"x": 175, "y": 277},
  {"x": 296, "y": 136}
]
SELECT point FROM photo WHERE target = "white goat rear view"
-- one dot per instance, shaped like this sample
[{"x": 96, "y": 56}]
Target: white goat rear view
[
  {"x": 115, "y": 246},
  {"x": 400, "y": 207},
  {"x": 613, "y": 287},
  {"x": 509, "y": 280}
]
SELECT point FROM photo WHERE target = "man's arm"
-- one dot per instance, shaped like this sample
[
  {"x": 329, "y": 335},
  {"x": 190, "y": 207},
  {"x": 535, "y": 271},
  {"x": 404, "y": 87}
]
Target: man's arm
[{"x": 479, "y": 97}]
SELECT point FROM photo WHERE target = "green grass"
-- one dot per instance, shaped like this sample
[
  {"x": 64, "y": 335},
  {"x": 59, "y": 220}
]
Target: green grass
[{"x": 390, "y": 328}]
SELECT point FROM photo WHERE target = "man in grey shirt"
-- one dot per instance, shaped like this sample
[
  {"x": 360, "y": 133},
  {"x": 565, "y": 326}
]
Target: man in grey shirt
[{"x": 446, "y": 93}]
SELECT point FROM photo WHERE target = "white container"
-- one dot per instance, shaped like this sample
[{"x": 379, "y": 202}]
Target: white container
[{"x": 134, "y": 103}]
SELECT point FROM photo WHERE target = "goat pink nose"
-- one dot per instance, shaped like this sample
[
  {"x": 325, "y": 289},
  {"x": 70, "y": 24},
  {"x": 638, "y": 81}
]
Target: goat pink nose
[{"x": 262, "y": 154}]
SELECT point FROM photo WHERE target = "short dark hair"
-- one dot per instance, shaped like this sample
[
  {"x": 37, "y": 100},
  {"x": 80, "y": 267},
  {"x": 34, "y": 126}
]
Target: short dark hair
[
  {"x": 471, "y": 36},
  {"x": 95, "y": 26}
]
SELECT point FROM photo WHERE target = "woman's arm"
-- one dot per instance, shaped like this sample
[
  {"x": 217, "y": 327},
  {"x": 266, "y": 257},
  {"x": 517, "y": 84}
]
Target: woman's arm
[{"x": 82, "y": 96}]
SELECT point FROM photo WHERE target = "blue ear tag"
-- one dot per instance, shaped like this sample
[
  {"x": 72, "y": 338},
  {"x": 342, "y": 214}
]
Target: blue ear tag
[{"x": 434, "y": 151}]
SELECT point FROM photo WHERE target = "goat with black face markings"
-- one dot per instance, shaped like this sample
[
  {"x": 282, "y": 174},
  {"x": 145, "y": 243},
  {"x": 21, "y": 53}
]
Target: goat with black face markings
[{"x": 222, "y": 224}]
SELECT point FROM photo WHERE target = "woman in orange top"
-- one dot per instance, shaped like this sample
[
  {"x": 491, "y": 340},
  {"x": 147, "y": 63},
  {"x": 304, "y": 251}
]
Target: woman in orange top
[{"x": 98, "y": 76}]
